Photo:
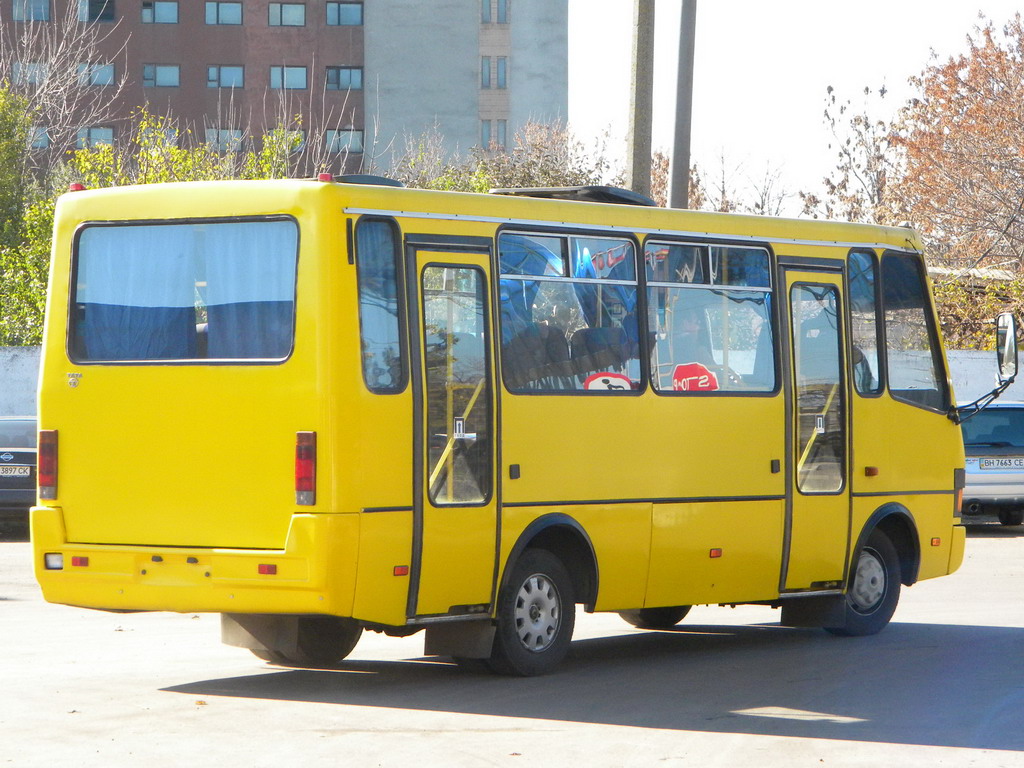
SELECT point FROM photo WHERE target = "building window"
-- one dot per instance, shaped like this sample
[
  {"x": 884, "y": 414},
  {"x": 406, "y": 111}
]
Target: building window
[
  {"x": 503, "y": 11},
  {"x": 161, "y": 75},
  {"x": 502, "y": 138},
  {"x": 287, "y": 15},
  {"x": 223, "y": 13},
  {"x": 485, "y": 71},
  {"x": 29, "y": 72},
  {"x": 159, "y": 137},
  {"x": 94, "y": 136},
  {"x": 345, "y": 140},
  {"x": 502, "y": 80},
  {"x": 40, "y": 137},
  {"x": 31, "y": 10},
  {"x": 224, "y": 139},
  {"x": 160, "y": 12},
  {"x": 485, "y": 11},
  {"x": 344, "y": 78},
  {"x": 344, "y": 14},
  {"x": 288, "y": 78},
  {"x": 485, "y": 133},
  {"x": 225, "y": 77},
  {"x": 95, "y": 10},
  {"x": 95, "y": 74}
]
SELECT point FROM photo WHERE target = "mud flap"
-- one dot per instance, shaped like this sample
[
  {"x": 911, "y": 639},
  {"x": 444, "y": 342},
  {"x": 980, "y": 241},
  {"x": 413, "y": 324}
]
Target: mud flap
[
  {"x": 463, "y": 639},
  {"x": 818, "y": 611},
  {"x": 260, "y": 632}
]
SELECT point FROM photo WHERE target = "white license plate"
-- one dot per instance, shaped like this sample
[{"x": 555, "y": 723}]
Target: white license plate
[
  {"x": 1004, "y": 463},
  {"x": 15, "y": 471}
]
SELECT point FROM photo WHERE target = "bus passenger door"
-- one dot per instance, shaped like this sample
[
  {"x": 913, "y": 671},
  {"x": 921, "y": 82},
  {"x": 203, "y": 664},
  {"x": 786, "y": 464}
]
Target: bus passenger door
[
  {"x": 455, "y": 515},
  {"x": 818, "y": 493}
]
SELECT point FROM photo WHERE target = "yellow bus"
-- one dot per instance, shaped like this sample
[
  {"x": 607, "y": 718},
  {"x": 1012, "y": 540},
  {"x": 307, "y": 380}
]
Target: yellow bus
[{"x": 318, "y": 407}]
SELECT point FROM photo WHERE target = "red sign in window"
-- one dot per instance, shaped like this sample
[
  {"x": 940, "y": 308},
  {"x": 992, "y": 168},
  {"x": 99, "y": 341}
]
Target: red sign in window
[{"x": 693, "y": 377}]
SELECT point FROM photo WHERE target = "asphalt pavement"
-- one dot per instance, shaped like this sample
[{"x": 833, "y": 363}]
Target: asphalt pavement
[{"x": 943, "y": 685}]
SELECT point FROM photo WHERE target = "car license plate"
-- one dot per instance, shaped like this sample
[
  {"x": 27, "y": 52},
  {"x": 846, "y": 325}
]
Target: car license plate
[
  {"x": 15, "y": 471},
  {"x": 1004, "y": 463}
]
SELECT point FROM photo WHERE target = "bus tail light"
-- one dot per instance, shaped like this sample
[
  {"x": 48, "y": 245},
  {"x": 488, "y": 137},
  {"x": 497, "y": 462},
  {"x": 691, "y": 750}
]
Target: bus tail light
[
  {"x": 47, "y": 464},
  {"x": 305, "y": 468}
]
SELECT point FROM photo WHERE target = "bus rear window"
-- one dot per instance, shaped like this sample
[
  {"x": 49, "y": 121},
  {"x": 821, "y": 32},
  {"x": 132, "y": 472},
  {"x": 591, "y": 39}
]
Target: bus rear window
[{"x": 216, "y": 290}]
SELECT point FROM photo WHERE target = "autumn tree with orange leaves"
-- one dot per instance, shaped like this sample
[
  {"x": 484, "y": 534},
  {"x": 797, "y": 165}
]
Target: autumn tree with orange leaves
[
  {"x": 962, "y": 185},
  {"x": 963, "y": 145}
]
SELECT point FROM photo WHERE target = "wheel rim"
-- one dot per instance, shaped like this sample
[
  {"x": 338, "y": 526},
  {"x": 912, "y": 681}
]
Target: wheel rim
[
  {"x": 868, "y": 582},
  {"x": 537, "y": 613}
]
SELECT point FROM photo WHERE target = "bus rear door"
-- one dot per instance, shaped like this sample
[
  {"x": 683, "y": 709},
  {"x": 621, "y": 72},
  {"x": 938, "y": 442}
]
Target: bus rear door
[{"x": 455, "y": 495}]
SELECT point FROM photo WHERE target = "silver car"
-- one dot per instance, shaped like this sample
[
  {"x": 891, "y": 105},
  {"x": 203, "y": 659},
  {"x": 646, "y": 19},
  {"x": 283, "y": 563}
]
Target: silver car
[
  {"x": 994, "y": 444},
  {"x": 17, "y": 466}
]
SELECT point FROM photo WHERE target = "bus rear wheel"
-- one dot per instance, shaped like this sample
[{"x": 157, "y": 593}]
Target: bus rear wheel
[
  {"x": 656, "y": 618},
  {"x": 874, "y": 588},
  {"x": 322, "y": 641},
  {"x": 536, "y": 615}
]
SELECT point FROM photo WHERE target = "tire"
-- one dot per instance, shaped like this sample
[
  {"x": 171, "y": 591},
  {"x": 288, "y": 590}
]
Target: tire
[
  {"x": 656, "y": 618},
  {"x": 536, "y": 615},
  {"x": 1011, "y": 516},
  {"x": 323, "y": 641},
  {"x": 874, "y": 588}
]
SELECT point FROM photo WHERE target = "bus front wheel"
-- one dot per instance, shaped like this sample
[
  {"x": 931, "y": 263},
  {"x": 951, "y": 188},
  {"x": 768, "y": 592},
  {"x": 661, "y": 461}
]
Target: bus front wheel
[
  {"x": 322, "y": 641},
  {"x": 656, "y": 618},
  {"x": 874, "y": 588},
  {"x": 536, "y": 615}
]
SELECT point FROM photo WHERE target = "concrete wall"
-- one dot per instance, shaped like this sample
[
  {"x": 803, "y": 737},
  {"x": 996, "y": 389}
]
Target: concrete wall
[
  {"x": 973, "y": 376},
  {"x": 539, "y": 66},
  {"x": 19, "y": 368},
  {"x": 422, "y": 68}
]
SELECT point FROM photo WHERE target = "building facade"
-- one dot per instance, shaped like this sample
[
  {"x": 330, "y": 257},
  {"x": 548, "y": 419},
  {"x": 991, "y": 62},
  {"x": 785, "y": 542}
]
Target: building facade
[{"x": 365, "y": 77}]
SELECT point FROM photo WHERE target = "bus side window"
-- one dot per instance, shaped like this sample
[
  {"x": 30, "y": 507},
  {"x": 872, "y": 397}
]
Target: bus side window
[
  {"x": 568, "y": 313},
  {"x": 380, "y": 331},
  {"x": 913, "y": 362},
  {"x": 863, "y": 276},
  {"x": 709, "y": 313}
]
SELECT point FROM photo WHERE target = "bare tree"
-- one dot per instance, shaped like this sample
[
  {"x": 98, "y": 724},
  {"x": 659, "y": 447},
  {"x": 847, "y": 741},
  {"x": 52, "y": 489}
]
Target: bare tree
[
  {"x": 57, "y": 67},
  {"x": 867, "y": 161},
  {"x": 768, "y": 196}
]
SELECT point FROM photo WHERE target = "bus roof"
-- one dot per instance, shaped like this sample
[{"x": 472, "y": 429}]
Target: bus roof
[{"x": 290, "y": 196}]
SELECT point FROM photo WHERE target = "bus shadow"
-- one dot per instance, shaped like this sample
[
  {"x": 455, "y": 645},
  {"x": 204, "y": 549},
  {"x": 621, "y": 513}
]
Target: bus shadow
[{"x": 920, "y": 684}]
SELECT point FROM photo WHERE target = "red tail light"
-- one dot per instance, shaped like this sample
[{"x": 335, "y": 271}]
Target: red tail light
[
  {"x": 47, "y": 464},
  {"x": 305, "y": 468}
]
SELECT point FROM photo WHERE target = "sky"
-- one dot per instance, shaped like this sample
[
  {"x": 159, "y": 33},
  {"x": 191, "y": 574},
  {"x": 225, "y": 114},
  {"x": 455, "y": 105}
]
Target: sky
[{"x": 761, "y": 73}]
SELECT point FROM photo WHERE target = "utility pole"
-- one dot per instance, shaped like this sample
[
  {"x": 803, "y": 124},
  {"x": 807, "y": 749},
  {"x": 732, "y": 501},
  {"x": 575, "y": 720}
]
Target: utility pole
[
  {"x": 641, "y": 98},
  {"x": 679, "y": 186}
]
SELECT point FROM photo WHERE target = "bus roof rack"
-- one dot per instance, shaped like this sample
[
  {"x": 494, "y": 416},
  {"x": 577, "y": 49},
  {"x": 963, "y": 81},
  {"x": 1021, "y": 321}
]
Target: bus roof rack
[
  {"x": 367, "y": 178},
  {"x": 589, "y": 194}
]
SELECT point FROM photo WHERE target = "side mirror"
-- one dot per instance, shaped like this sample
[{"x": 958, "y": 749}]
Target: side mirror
[
  {"x": 1006, "y": 358},
  {"x": 1006, "y": 347}
]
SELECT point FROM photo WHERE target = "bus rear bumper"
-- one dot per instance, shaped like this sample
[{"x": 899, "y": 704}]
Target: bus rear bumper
[{"x": 314, "y": 573}]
